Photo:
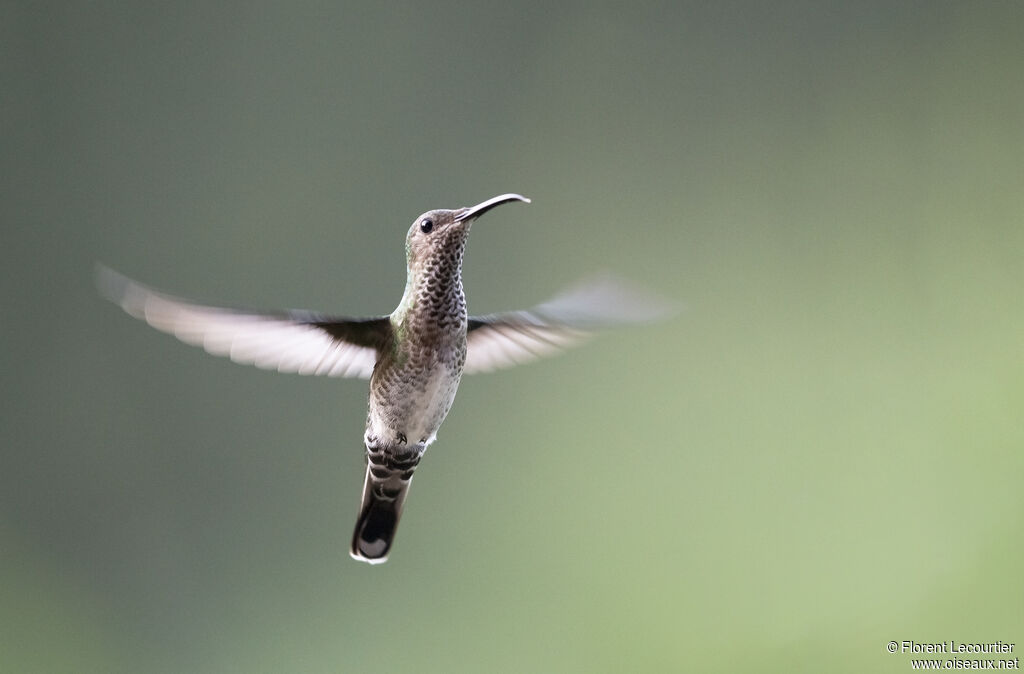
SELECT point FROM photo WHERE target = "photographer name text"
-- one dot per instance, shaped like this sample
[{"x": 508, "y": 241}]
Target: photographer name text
[{"x": 953, "y": 646}]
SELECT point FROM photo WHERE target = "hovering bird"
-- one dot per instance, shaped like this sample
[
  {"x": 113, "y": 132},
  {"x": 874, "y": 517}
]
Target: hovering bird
[{"x": 414, "y": 357}]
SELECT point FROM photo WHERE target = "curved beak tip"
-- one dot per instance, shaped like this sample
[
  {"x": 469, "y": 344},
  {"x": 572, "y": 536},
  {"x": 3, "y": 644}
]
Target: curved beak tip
[{"x": 481, "y": 208}]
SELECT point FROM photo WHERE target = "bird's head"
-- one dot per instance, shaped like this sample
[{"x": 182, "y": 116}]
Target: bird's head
[{"x": 439, "y": 236}]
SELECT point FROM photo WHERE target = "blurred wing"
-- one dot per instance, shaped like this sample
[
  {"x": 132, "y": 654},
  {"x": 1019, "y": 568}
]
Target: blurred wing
[
  {"x": 503, "y": 340},
  {"x": 286, "y": 341}
]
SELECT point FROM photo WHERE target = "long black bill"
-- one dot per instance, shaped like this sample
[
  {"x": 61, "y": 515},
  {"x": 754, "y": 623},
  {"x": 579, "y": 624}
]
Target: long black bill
[{"x": 481, "y": 208}]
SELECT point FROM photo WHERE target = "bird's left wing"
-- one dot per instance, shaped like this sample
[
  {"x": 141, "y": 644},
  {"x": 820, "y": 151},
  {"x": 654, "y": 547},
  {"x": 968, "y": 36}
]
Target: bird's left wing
[
  {"x": 286, "y": 341},
  {"x": 507, "y": 339}
]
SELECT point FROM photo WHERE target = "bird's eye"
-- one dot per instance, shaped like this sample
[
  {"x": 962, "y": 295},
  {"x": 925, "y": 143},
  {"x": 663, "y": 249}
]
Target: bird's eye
[{"x": 426, "y": 225}]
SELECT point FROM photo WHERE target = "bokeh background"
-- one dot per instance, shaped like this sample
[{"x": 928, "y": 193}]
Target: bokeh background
[{"x": 821, "y": 454}]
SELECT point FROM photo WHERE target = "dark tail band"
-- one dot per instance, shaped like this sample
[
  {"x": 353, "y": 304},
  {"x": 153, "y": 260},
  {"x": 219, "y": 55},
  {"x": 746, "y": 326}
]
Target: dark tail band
[{"x": 384, "y": 490}]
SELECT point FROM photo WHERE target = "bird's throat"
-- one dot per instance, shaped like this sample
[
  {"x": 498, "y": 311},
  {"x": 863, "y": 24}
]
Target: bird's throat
[{"x": 434, "y": 302}]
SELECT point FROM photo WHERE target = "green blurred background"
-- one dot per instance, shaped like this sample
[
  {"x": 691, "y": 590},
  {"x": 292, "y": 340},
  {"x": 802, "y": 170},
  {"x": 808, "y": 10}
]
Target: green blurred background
[{"x": 823, "y": 453}]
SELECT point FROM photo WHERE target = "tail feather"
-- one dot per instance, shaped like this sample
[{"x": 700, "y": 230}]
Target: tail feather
[{"x": 384, "y": 490}]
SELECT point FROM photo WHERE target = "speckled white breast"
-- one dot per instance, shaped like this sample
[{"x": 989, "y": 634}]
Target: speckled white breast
[{"x": 413, "y": 403}]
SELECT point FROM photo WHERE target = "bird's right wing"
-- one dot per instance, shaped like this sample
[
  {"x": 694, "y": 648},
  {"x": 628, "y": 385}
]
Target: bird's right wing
[
  {"x": 570, "y": 318},
  {"x": 286, "y": 341}
]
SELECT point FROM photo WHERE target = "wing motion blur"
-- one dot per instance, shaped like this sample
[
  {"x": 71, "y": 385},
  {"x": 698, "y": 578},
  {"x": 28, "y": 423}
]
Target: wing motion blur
[
  {"x": 286, "y": 341},
  {"x": 503, "y": 340},
  {"x": 312, "y": 344}
]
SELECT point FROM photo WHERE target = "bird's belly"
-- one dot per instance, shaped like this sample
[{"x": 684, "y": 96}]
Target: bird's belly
[{"x": 408, "y": 407}]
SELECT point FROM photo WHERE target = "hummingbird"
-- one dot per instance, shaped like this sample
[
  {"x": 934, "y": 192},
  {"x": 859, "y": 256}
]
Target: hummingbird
[{"x": 414, "y": 357}]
